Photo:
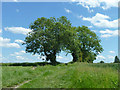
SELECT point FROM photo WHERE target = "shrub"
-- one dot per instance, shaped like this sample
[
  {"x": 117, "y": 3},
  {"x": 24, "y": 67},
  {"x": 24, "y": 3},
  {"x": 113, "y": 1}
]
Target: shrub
[{"x": 101, "y": 61}]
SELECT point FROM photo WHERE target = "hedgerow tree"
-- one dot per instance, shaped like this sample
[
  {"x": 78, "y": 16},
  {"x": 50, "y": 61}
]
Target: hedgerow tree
[{"x": 46, "y": 37}]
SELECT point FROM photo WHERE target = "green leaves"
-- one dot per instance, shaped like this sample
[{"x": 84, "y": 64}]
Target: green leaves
[
  {"x": 47, "y": 36},
  {"x": 86, "y": 42},
  {"x": 50, "y": 36}
]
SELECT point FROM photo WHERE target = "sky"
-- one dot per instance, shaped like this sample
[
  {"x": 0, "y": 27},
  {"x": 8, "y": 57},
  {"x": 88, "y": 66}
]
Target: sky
[{"x": 100, "y": 17}]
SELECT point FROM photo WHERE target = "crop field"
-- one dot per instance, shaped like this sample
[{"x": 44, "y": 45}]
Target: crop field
[{"x": 77, "y": 75}]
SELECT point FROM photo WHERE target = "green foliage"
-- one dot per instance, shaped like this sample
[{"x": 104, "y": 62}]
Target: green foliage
[
  {"x": 116, "y": 60},
  {"x": 50, "y": 36},
  {"x": 85, "y": 45},
  {"x": 101, "y": 61},
  {"x": 47, "y": 36},
  {"x": 76, "y": 75},
  {"x": 89, "y": 44}
]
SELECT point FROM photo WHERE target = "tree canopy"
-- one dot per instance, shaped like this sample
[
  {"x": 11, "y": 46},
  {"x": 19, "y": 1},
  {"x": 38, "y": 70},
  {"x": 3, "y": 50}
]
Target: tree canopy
[{"x": 50, "y": 36}]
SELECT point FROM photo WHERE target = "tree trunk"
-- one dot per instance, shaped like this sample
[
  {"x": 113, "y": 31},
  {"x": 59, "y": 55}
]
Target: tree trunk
[
  {"x": 53, "y": 58},
  {"x": 80, "y": 57},
  {"x": 75, "y": 58}
]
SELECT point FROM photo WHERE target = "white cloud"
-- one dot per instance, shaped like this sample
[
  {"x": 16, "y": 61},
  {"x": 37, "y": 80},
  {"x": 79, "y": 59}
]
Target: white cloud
[
  {"x": 108, "y": 33},
  {"x": 18, "y": 30},
  {"x": 104, "y": 4},
  {"x": 5, "y": 42},
  {"x": 90, "y": 26},
  {"x": 110, "y": 57},
  {"x": 18, "y": 53},
  {"x": 80, "y": 16},
  {"x": 22, "y": 51},
  {"x": 21, "y": 55},
  {"x": 100, "y": 20},
  {"x": 91, "y": 11},
  {"x": 43, "y": 57},
  {"x": 20, "y": 58},
  {"x": 94, "y": 31},
  {"x": 111, "y": 51},
  {"x": 15, "y": 0},
  {"x": 67, "y": 10},
  {"x": 100, "y": 57},
  {"x": 19, "y": 41}
]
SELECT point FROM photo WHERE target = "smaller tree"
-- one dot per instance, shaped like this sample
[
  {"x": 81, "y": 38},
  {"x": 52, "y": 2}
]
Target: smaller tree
[
  {"x": 116, "y": 60},
  {"x": 101, "y": 61},
  {"x": 85, "y": 45}
]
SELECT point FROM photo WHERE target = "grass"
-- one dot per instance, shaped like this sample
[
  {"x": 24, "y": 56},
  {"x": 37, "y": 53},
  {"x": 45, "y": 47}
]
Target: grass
[{"x": 77, "y": 75}]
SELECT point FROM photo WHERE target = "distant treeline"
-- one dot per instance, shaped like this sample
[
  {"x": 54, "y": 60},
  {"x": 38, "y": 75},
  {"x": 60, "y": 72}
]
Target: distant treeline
[
  {"x": 113, "y": 65},
  {"x": 25, "y": 64}
]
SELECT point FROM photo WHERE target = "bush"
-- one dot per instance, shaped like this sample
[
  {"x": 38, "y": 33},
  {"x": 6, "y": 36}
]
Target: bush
[{"x": 101, "y": 61}]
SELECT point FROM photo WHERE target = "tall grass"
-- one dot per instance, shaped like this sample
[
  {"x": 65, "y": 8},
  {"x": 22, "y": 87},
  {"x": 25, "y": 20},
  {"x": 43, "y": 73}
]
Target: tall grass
[{"x": 77, "y": 75}]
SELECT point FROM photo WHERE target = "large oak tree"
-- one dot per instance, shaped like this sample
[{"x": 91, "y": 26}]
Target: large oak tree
[{"x": 46, "y": 37}]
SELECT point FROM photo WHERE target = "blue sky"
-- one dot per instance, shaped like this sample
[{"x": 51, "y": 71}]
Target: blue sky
[{"x": 17, "y": 16}]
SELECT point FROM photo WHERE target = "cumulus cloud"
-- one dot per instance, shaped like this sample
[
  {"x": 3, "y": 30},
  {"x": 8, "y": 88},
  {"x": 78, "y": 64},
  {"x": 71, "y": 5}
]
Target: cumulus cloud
[
  {"x": 18, "y": 30},
  {"x": 44, "y": 57},
  {"x": 20, "y": 58},
  {"x": 108, "y": 33},
  {"x": 100, "y": 20},
  {"x": 100, "y": 57},
  {"x": 5, "y": 42},
  {"x": 67, "y": 10},
  {"x": 21, "y": 55},
  {"x": 94, "y": 31},
  {"x": 111, "y": 51},
  {"x": 18, "y": 53},
  {"x": 110, "y": 57},
  {"x": 90, "y": 26},
  {"x": 104, "y": 4},
  {"x": 91, "y": 11},
  {"x": 80, "y": 16},
  {"x": 19, "y": 41},
  {"x": 15, "y": 0}
]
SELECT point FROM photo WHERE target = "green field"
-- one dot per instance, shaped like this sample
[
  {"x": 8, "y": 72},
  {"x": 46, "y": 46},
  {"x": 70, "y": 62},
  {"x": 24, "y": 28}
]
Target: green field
[{"x": 77, "y": 75}]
